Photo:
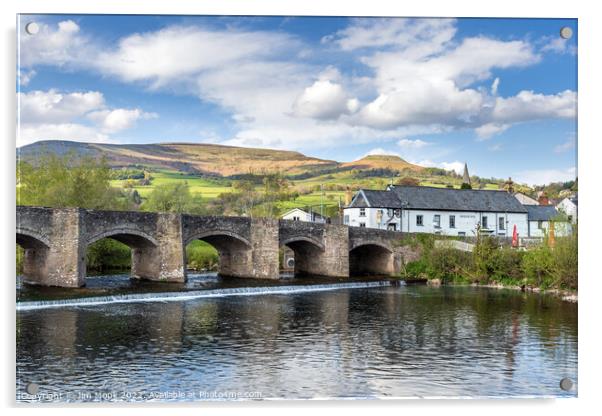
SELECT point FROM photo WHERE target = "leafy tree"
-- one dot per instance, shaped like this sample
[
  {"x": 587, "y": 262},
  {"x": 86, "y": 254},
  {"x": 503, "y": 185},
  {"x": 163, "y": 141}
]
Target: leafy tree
[
  {"x": 68, "y": 181},
  {"x": 173, "y": 197},
  {"x": 465, "y": 186}
]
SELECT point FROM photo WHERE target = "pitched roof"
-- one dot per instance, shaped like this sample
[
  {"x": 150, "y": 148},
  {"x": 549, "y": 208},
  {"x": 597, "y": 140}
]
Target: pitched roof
[
  {"x": 445, "y": 199},
  {"x": 375, "y": 199},
  {"x": 541, "y": 212}
]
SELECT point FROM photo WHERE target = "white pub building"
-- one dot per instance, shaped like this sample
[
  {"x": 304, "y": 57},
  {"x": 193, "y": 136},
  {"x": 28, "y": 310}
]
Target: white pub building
[{"x": 422, "y": 209}]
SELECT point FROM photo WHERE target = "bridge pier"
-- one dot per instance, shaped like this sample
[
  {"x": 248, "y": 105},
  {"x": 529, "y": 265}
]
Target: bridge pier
[{"x": 60, "y": 260}]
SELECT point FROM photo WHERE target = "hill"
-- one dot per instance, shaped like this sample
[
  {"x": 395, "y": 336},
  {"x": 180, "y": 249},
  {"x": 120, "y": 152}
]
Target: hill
[
  {"x": 201, "y": 158},
  {"x": 382, "y": 162}
]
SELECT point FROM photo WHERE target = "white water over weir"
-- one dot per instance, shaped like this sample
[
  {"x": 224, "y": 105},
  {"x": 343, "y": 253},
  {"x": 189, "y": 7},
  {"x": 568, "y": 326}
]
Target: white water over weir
[{"x": 197, "y": 294}]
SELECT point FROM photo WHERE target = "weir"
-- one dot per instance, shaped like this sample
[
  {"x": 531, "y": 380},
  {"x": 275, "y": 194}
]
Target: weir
[
  {"x": 55, "y": 243},
  {"x": 197, "y": 294}
]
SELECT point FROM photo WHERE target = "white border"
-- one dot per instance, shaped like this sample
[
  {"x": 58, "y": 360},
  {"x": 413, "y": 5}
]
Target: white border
[{"x": 590, "y": 70}]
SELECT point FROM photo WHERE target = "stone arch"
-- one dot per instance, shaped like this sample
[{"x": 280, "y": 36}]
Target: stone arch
[
  {"x": 131, "y": 237},
  {"x": 29, "y": 239},
  {"x": 306, "y": 252},
  {"x": 235, "y": 252},
  {"x": 145, "y": 258},
  {"x": 35, "y": 254},
  {"x": 371, "y": 258}
]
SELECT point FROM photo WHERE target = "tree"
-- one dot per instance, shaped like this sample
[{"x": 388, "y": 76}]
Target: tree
[
  {"x": 408, "y": 181},
  {"x": 68, "y": 181},
  {"x": 465, "y": 186},
  {"x": 172, "y": 197}
]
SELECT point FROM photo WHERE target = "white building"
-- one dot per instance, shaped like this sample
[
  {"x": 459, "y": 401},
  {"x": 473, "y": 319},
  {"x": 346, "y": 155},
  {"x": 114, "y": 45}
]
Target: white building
[
  {"x": 568, "y": 206},
  {"x": 421, "y": 209},
  {"x": 540, "y": 217},
  {"x": 374, "y": 209},
  {"x": 297, "y": 214}
]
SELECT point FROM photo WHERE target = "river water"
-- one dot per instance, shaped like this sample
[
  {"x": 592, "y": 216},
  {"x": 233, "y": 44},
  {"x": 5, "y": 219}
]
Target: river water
[{"x": 293, "y": 340}]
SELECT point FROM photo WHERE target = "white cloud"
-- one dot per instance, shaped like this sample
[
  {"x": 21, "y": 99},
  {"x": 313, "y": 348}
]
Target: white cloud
[
  {"x": 566, "y": 146},
  {"x": 54, "y": 115},
  {"x": 546, "y": 176},
  {"x": 111, "y": 121},
  {"x": 379, "y": 151},
  {"x": 486, "y": 131},
  {"x": 396, "y": 32},
  {"x": 324, "y": 100},
  {"x": 54, "y": 107},
  {"x": 29, "y": 133},
  {"x": 494, "y": 86},
  {"x": 456, "y": 166},
  {"x": 412, "y": 144},
  {"x": 558, "y": 45},
  {"x": 60, "y": 44},
  {"x": 528, "y": 105},
  {"x": 25, "y": 76}
]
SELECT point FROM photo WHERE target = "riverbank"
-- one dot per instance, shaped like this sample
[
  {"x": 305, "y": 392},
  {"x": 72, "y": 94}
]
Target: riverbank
[{"x": 565, "y": 295}]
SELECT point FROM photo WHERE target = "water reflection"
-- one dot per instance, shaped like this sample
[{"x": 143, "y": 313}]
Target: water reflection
[{"x": 371, "y": 342}]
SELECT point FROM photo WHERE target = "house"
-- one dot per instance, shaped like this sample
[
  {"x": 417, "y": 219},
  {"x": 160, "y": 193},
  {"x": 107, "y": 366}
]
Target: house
[
  {"x": 297, "y": 214},
  {"x": 540, "y": 217},
  {"x": 525, "y": 199},
  {"x": 374, "y": 209},
  {"x": 421, "y": 209},
  {"x": 568, "y": 206}
]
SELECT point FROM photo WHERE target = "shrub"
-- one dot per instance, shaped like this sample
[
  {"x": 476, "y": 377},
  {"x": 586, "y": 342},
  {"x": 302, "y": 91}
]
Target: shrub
[
  {"x": 416, "y": 269},
  {"x": 448, "y": 264}
]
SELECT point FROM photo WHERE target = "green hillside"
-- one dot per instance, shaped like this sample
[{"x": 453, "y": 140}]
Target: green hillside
[{"x": 213, "y": 171}]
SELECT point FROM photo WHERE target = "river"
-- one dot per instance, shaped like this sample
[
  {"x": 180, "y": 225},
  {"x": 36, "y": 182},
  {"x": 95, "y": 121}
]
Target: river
[{"x": 212, "y": 340}]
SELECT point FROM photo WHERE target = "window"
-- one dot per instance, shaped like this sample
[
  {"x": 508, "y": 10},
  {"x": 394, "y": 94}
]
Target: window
[
  {"x": 452, "y": 221},
  {"x": 389, "y": 212},
  {"x": 437, "y": 221},
  {"x": 362, "y": 212},
  {"x": 502, "y": 223},
  {"x": 461, "y": 233},
  {"x": 363, "y": 224},
  {"x": 540, "y": 224},
  {"x": 392, "y": 227},
  {"x": 419, "y": 220},
  {"x": 484, "y": 222},
  {"x": 346, "y": 219},
  {"x": 296, "y": 218}
]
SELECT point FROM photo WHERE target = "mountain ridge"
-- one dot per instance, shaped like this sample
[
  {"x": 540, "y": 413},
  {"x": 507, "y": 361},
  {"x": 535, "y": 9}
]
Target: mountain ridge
[{"x": 206, "y": 158}]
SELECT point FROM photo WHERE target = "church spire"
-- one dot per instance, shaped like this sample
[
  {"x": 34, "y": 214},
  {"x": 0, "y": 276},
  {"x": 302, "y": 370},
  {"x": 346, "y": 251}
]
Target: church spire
[{"x": 466, "y": 176}]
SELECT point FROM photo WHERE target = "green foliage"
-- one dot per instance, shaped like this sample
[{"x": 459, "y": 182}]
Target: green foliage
[
  {"x": 68, "y": 181},
  {"x": 173, "y": 197},
  {"x": 108, "y": 255},
  {"x": 416, "y": 269},
  {"x": 465, "y": 186},
  {"x": 448, "y": 264},
  {"x": 201, "y": 256},
  {"x": 538, "y": 264}
]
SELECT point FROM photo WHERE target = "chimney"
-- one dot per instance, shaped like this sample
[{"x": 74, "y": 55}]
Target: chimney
[{"x": 542, "y": 199}]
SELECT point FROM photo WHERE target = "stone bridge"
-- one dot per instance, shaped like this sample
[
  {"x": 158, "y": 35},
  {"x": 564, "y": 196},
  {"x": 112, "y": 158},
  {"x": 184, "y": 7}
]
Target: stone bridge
[{"x": 55, "y": 243}]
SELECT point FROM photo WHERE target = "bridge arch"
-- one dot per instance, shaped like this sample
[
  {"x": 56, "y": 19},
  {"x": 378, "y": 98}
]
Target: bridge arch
[
  {"x": 235, "y": 252},
  {"x": 306, "y": 252},
  {"x": 371, "y": 258},
  {"x": 29, "y": 239},
  {"x": 144, "y": 258},
  {"x": 128, "y": 236}
]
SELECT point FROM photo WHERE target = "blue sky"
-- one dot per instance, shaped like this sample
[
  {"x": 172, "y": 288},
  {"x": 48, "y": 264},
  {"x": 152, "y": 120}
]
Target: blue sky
[{"x": 500, "y": 94}]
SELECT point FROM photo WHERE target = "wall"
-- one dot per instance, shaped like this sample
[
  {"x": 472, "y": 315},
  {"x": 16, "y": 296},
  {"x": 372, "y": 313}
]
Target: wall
[{"x": 561, "y": 229}]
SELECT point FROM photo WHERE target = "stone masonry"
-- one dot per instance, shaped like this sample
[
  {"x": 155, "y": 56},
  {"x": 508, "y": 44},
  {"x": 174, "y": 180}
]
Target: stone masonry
[{"x": 55, "y": 243}]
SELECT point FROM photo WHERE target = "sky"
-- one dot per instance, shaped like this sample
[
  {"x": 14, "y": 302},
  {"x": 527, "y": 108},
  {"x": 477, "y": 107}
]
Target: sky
[{"x": 498, "y": 94}]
